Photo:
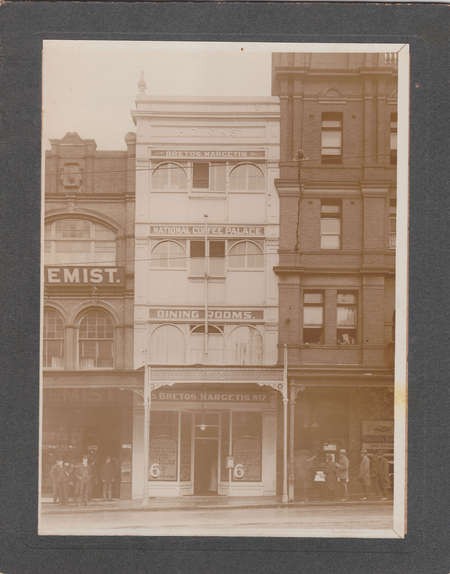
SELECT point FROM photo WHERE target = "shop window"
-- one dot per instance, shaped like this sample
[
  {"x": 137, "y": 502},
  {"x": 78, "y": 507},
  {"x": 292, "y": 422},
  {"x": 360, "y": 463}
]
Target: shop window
[
  {"x": 247, "y": 441},
  {"x": 330, "y": 225},
  {"x": 313, "y": 318},
  {"x": 393, "y": 139},
  {"x": 79, "y": 242},
  {"x": 96, "y": 340},
  {"x": 169, "y": 177},
  {"x": 209, "y": 261},
  {"x": 347, "y": 317},
  {"x": 245, "y": 346},
  {"x": 168, "y": 255},
  {"x": 247, "y": 177},
  {"x": 167, "y": 345},
  {"x": 331, "y": 137},
  {"x": 53, "y": 348},
  {"x": 163, "y": 454},
  {"x": 245, "y": 255},
  {"x": 392, "y": 224},
  {"x": 215, "y": 341},
  {"x": 209, "y": 176}
]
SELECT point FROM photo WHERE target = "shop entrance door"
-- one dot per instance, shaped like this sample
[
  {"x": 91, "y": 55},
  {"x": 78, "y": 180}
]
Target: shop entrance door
[{"x": 206, "y": 459}]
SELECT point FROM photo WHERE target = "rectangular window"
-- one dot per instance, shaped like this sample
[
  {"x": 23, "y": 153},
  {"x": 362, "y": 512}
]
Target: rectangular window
[
  {"x": 163, "y": 446},
  {"x": 313, "y": 318},
  {"x": 247, "y": 447},
  {"x": 347, "y": 318},
  {"x": 210, "y": 260},
  {"x": 392, "y": 224},
  {"x": 331, "y": 137},
  {"x": 200, "y": 175},
  {"x": 393, "y": 138},
  {"x": 330, "y": 225}
]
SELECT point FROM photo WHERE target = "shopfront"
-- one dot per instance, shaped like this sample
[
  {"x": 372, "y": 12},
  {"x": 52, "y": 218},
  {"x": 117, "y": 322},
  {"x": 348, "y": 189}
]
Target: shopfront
[
  {"x": 212, "y": 440},
  {"x": 86, "y": 421}
]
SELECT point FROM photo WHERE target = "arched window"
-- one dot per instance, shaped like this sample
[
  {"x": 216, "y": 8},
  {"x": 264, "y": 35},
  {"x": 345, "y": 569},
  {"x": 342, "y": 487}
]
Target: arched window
[
  {"x": 79, "y": 242},
  {"x": 246, "y": 177},
  {"x": 53, "y": 351},
  {"x": 168, "y": 254},
  {"x": 245, "y": 255},
  {"x": 96, "y": 340},
  {"x": 167, "y": 345},
  {"x": 215, "y": 344},
  {"x": 169, "y": 176},
  {"x": 245, "y": 346}
]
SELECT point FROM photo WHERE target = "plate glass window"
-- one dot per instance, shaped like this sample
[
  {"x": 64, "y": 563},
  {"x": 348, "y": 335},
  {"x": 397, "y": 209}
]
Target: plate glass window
[
  {"x": 330, "y": 225},
  {"x": 53, "y": 351},
  {"x": 331, "y": 137},
  {"x": 347, "y": 316},
  {"x": 96, "y": 339},
  {"x": 313, "y": 318}
]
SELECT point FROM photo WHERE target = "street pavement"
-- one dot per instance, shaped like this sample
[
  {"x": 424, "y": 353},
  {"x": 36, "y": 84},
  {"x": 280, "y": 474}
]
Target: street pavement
[{"x": 352, "y": 519}]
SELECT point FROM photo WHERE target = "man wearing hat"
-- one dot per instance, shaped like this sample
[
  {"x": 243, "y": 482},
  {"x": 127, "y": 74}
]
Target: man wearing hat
[
  {"x": 364, "y": 473},
  {"x": 342, "y": 465}
]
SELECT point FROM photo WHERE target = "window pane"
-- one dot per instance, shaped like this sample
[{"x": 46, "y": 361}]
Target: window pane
[
  {"x": 346, "y": 316},
  {"x": 197, "y": 249},
  {"x": 313, "y": 297},
  {"x": 346, "y": 298},
  {"x": 332, "y": 139},
  {"x": 247, "y": 177},
  {"x": 217, "y": 266},
  {"x": 200, "y": 177},
  {"x": 218, "y": 177},
  {"x": 330, "y": 242},
  {"x": 102, "y": 232},
  {"x": 217, "y": 248},
  {"x": 313, "y": 315},
  {"x": 312, "y": 335},
  {"x": 237, "y": 255},
  {"x": 330, "y": 208},
  {"x": 330, "y": 226},
  {"x": 73, "y": 228}
]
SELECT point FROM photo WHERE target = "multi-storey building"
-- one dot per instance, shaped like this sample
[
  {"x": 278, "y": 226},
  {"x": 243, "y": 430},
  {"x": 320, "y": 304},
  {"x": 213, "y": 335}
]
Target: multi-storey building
[
  {"x": 87, "y": 351},
  {"x": 337, "y": 190},
  {"x": 206, "y": 295}
]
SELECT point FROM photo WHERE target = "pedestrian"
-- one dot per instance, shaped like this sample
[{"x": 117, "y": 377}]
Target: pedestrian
[
  {"x": 67, "y": 482},
  {"x": 342, "y": 465},
  {"x": 56, "y": 473},
  {"x": 331, "y": 477},
  {"x": 303, "y": 471},
  {"x": 107, "y": 475},
  {"x": 382, "y": 481},
  {"x": 364, "y": 473},
  {"x": 83, "y": 480}
]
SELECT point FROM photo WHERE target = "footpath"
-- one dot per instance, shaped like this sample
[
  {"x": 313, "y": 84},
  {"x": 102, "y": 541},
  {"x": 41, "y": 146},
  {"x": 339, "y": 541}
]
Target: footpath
[{"x": 194, "y": 503}]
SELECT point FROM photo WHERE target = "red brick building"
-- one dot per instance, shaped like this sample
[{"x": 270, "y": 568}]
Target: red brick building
[
  {"x": 87, "y": 351},
  {"x": 337, "y": 190}
]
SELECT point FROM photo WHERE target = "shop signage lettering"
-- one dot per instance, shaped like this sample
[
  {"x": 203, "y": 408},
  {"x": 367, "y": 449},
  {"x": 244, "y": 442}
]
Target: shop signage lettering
[
  {"x": 210, "y": 396},
  {"x": 207, "y": 154},
  {"x": 377, "y": 435},
  {"x": 215, "y": 230},
  {"x": 84, "y": 275},
  {"x": 85, "y": 396},
  {"x": 164, "y": 314}
]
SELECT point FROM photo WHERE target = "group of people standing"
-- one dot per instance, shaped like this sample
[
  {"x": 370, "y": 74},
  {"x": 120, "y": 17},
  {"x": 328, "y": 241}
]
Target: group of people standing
[
  {"x": 333, "y": 475},
  {"x": 76, "y": 482}
]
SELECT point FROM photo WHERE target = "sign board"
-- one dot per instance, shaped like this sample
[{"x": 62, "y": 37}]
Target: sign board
[
  {"x": 207, "y": 154},
  {"x": 71, "y": 275},
  {"x": 377, "y": 435},
  {"x": 217, "y": 315},
  {"x": 210, "y": 396},
  {"x": 180, "y": 229}
]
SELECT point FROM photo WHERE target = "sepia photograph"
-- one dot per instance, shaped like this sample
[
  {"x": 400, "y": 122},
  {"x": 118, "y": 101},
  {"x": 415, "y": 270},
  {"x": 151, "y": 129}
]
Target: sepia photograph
[{"x": 224, "y": 289}]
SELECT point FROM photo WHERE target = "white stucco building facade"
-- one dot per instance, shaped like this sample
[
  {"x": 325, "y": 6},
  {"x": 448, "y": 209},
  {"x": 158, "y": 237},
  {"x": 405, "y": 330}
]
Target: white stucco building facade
[{"x": 206, "y": 296}]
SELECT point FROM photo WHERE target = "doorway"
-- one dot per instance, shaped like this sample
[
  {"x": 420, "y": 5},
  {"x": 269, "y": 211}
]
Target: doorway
[{"x": 206, "y": 457}]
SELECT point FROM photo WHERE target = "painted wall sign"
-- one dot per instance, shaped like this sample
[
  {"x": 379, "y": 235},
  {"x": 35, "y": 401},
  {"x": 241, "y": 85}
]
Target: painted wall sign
[
  {"x": 215, "y": 230},
  {"x": 70, "y": 275},
  {"x": 222, "y": 315},
  {"x": 210, "y": 396},
  {"x": 377, "y": 435},
  {"x": 207, "y": 154},
  {"x": 85, "y": 396}
]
